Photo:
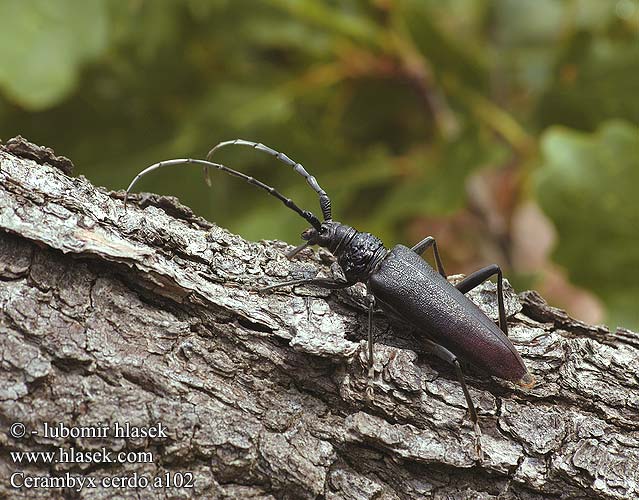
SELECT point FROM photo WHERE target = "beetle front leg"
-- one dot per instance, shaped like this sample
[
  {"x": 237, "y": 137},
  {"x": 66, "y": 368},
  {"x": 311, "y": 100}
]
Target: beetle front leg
[
  {"x": 424, "y": 245},
  {"x": 477, "y": 278},
  {"x": 445, "y": 355},
  {"x": 320, "y": 282},
  {"x": 371, "y": 370}
]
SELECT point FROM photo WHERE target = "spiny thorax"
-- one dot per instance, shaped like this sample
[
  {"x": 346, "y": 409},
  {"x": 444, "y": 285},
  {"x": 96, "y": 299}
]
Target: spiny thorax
[{"x": 358, "y": 254}]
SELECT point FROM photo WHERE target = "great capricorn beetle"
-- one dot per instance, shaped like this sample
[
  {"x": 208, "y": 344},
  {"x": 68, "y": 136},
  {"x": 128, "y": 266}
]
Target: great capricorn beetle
[{"x": 398, "y": 280}]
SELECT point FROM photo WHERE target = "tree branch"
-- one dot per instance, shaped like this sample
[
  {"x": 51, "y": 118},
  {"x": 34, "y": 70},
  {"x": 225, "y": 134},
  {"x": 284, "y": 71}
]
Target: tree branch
[{"x": 151, "y": 315}]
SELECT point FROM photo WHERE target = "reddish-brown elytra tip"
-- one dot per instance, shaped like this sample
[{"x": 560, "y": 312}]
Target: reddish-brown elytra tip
[{"x": 527, "y": 381}]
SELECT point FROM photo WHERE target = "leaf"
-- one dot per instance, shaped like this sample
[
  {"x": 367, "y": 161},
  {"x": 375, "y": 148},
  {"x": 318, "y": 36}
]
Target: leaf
[
  {"x": 436, "y": 35},
  {"x": 587, "y": 186},
  {"x": 43, "y": 44},
  {"x": 597, "y": 79},
  {"x": 522, "y": 22},
  {"x": 436, "y": 184},
  {"x": 345, "y": 20}
]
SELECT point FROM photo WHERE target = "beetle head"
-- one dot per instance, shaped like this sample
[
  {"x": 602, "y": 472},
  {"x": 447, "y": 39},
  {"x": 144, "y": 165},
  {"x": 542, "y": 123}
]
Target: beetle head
[
  {"x": 319, "y": 236},
  {"x": 329, "y": 235}
]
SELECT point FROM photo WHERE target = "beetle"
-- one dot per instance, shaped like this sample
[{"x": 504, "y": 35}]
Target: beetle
[{"x": 400, "y": 281}]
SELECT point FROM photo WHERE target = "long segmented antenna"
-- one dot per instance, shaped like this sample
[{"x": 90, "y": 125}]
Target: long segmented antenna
[
  {"x": 309, "y": 216},
  {"x": 325, "y": 201}
]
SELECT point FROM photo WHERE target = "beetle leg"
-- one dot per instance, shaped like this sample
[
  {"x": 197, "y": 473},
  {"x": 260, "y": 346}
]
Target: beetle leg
[
  {"x": 444, "y": 354},
  {"x": 320, "y": 282},
  {"x": 371, "y": 370},
  {"x": 424, "y": 245},
  {"x": 477, "y": 278}
]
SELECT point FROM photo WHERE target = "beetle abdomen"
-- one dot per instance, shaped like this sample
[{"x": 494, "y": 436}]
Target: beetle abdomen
[{"x": 422, "y": 297}]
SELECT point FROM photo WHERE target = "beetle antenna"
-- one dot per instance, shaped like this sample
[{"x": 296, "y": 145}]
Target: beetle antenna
[
  {"x": 308, "y": 216},
  {"x": 324, "y": 200}
]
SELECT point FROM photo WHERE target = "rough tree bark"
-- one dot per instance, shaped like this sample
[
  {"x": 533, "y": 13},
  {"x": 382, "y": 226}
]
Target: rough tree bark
[{"x": 150, "y": 315}]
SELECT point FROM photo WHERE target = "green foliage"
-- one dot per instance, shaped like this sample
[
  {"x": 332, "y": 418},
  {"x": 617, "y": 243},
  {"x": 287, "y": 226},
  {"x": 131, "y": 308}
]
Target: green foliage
[
  {"x": 392, "y": 104},
  {"x": 599, "y": 78},
  {"x": 43, "y": 44},
  {"x": 588, "y": 186}
]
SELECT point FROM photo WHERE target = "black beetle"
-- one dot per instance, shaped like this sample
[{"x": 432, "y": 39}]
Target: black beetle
[{"x": 402, "y": 283}]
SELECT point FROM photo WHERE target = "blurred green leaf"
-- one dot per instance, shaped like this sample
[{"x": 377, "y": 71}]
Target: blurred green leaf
[
  {"x": 43, "y": 44},
  {"x": 346, "y": 18},
  {"x": 526, "y": 22},
  {"x": 594, "y": 15},
  {"x": 435, "y": 183},
  {"x": 588, "y": 187},
  {"x": 442, "y": 48},
  {"x": 527, "y": 34},
  {"x": 595, "y": 79}
]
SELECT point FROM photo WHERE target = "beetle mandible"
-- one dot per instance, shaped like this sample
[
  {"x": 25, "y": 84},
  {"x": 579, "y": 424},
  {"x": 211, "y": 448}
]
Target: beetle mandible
[{"x": 399, "y": 281}]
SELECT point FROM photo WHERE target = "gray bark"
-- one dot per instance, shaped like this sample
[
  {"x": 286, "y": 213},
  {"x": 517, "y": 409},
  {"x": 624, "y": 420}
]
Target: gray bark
[{"x": 150, "y": 316}]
